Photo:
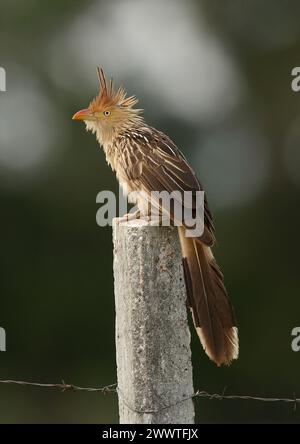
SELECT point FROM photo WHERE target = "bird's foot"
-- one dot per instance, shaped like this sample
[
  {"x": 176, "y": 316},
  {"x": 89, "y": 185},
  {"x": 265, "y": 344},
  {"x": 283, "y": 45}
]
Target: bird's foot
[
  {"x": 129, "y": 216},
  {"x": 152, "y": 220},
  {"x": 155, "y": 220}
]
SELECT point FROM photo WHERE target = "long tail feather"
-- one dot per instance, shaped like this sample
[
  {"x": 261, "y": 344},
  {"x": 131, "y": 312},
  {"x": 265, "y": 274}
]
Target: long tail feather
[{"x": 212, "y": 311}]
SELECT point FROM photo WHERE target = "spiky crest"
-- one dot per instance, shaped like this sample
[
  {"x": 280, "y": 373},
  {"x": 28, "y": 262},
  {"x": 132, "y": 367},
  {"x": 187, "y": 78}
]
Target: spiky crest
[{"x": 109, "y": 97}]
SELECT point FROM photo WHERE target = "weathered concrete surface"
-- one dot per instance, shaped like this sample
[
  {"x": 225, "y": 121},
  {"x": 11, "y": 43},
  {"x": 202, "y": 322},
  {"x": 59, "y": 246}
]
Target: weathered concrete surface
[{"x": 152, "y": 334}]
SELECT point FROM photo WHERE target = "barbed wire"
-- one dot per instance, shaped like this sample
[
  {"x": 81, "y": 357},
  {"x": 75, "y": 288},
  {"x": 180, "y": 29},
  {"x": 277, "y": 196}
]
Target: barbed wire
[
  {"x": 63, "y": 386},
  {"x": 113, "y": 388}
]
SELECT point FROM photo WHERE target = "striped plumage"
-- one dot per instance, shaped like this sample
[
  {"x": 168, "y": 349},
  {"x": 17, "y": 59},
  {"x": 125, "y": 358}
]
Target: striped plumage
[{"x": 146, "y": 160}]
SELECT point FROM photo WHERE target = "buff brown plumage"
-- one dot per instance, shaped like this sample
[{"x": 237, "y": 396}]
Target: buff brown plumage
[{"x": 146, "y": 160}]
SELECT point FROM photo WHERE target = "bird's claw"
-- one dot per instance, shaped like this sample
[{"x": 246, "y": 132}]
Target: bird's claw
[{"x": 128, "y": 217}]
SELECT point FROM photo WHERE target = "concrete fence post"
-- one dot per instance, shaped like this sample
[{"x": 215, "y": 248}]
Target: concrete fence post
[{"x": 152, "y": 334}]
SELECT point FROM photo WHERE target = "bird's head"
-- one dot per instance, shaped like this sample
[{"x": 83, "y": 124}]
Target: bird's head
[{"x": 110, "y": 112}]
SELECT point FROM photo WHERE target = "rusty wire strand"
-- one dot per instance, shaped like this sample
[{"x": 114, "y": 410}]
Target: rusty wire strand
[
  {"x": 112, "y": 388},
  {"x": 63, "y": 386}
]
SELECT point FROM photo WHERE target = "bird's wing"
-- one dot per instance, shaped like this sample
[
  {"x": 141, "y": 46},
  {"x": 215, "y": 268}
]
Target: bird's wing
[{"x": 153, "y": 161}]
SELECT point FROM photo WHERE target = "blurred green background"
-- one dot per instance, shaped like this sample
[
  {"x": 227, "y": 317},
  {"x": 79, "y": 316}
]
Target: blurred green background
[{"x": 214, "y": 75}]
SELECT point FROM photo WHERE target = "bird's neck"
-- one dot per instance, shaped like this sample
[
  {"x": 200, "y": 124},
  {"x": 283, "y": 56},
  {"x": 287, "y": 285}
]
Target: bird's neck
[{"x": 107, "y": 136}]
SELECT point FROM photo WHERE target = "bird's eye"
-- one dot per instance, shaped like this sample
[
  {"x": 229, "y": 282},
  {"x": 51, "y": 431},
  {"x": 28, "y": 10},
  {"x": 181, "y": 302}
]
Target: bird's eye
[{"x": 106, "y": 113}]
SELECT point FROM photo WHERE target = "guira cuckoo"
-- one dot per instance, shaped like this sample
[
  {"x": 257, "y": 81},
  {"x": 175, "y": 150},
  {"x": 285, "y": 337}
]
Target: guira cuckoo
[{"x": 147, "y": 160}]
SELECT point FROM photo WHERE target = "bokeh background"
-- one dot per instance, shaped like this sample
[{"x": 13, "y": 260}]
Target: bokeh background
[{"x": 216, "y": 76}]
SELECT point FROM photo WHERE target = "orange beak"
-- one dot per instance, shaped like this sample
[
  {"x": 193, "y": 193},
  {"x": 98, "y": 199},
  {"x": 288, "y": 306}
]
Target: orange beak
[{"x": 83, "y": 114}]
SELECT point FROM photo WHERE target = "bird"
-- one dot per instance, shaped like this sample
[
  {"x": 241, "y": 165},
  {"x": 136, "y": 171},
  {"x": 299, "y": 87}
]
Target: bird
[{"x": 146, "y": 160}]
